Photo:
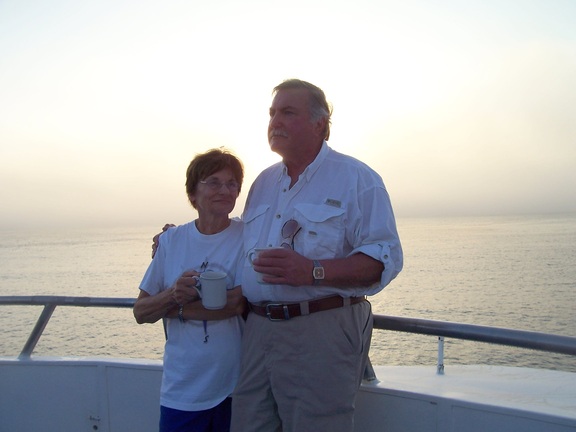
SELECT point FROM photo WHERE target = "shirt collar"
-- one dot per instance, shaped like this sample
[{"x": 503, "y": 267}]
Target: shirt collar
[{"x": 313, "y": 167}]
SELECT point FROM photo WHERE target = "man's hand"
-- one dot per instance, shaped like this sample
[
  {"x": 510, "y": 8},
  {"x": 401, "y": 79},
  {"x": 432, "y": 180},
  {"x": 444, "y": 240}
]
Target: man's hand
[
  {"x": 156, "y": 238},
  {"x": 284, "y": 267}
]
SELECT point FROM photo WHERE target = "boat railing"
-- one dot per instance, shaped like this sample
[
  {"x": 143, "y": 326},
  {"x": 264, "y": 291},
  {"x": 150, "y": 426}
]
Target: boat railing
[
  {"x": 50, "y": 303},
  {"x": 442, "y": 329},
  {"x": 494, "y": 335}
]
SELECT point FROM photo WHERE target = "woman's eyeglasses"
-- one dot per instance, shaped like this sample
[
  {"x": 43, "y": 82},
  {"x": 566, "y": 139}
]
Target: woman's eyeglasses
[
  {"x": 215, "y": 185},
  {"x": 289, "y": 231}
]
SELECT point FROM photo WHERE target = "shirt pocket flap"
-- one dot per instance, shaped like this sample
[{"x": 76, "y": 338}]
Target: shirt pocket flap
[
  {"x": 318, "y": 213},
  {"x": 255, "y": 212}
]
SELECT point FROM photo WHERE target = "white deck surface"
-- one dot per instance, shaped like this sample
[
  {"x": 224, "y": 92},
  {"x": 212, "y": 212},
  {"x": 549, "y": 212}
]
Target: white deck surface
[
  {"x": 467, "y": 399},
  {"x": 540, "y": 390},
  {"x": 121, "y": 395}
]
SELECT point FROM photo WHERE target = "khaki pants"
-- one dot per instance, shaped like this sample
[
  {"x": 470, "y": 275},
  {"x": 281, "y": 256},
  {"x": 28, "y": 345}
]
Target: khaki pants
[{"x": 302, "y": 374}]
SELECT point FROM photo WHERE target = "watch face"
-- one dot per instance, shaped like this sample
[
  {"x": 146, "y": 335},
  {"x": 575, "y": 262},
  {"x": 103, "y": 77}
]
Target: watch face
[{"x": 317, "y": 271}]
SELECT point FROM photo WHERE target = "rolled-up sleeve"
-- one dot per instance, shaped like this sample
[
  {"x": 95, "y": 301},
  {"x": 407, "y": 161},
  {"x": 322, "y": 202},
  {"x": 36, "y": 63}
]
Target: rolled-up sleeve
[
  {"x": 376, "y": 234},
  {"x": 390, "y": 254}
]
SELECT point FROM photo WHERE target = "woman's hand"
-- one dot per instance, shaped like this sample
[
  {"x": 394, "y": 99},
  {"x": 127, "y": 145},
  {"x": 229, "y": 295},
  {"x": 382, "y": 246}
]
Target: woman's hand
[{"x": 184, "y": 291}]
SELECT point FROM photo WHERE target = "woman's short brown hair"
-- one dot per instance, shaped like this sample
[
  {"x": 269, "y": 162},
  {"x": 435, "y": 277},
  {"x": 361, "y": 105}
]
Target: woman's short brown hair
[{"x": 206, "y": 164}]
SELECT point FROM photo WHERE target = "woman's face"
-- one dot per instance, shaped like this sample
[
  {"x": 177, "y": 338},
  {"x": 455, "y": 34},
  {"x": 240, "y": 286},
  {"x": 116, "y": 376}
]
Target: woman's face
[{"x": 216, "y": 194}]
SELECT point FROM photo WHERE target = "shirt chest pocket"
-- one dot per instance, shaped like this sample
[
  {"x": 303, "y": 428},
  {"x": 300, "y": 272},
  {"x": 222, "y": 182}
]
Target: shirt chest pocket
[
  {"x": 253, "y": 226},
  {"x": 323, "y": 230}
]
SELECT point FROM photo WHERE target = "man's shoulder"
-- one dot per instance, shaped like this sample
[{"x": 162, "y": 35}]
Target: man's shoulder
[
  {"x": 273, "y": 172},
  {"x": 337, "y": 156},
  {"x": 272, "y": 169},
  {"x": 347, "y": 163}
]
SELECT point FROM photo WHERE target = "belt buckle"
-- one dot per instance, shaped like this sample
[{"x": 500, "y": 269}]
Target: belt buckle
[{"x": 269, "y": 307}]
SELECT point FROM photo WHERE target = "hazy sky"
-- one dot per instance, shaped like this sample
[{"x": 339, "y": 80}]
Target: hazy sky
[{"x": 464, "y": 107}]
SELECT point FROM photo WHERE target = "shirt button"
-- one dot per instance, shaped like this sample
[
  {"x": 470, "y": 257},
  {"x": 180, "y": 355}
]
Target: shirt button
[{"x": 278, "y": 216}]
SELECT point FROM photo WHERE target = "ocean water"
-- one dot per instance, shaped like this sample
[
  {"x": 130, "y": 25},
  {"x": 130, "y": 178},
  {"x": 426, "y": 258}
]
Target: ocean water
[{"x": 517, "y": 272}]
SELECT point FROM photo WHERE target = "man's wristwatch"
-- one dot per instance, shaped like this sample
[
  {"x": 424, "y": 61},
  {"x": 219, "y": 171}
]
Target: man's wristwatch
[{"x": 317, "y": 273}]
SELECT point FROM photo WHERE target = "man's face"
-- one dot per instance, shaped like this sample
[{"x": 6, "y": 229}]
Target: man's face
[{"x": 290, "y": 131}]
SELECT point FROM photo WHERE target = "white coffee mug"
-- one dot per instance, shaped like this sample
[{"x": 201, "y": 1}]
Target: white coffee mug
[
  {"x": 212, "y": 289},
  {"x": 254, "y": 254}
]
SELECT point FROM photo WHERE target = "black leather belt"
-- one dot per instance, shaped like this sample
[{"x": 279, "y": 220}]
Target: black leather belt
[{"x": 285, "y": 311}]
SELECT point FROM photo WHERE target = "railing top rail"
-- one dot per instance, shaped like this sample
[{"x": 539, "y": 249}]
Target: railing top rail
[
  {"x": 42, "y": 300},
  {"x": 495, "y": 335}
]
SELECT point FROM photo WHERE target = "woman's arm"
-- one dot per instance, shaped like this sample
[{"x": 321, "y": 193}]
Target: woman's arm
[
  {"x": 235, "y": 305},
  {"x": 149, "y": 309}
]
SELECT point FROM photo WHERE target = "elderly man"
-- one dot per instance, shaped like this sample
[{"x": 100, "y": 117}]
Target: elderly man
[{"x": 307, "y": 337}]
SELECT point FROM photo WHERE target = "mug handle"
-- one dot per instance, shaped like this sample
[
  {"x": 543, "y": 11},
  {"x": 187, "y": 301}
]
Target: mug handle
[{"x": 198, "y": 286}]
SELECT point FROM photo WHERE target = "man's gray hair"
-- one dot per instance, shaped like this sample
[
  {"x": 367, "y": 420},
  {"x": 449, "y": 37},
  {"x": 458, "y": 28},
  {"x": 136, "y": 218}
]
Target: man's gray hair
[{"x": 319, "y": 106}]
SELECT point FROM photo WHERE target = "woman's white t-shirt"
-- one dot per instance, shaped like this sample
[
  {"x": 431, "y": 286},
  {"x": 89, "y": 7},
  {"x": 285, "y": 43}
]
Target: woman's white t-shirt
[{"x": 201, "y": 358}]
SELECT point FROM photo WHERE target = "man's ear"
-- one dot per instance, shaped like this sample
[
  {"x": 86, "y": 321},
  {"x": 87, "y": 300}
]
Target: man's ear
[{"x": 320, "y": 127}]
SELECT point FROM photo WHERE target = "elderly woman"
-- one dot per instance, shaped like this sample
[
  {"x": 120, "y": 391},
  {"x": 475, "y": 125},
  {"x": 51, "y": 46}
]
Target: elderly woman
[{"x": 202, "y": 351}]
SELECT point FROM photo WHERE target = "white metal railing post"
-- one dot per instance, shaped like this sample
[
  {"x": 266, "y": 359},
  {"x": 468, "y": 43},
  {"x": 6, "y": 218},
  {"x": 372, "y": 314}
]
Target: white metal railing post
[
  {"x": 37, "y": 331},
  {"x": 440, "y": 366}
]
